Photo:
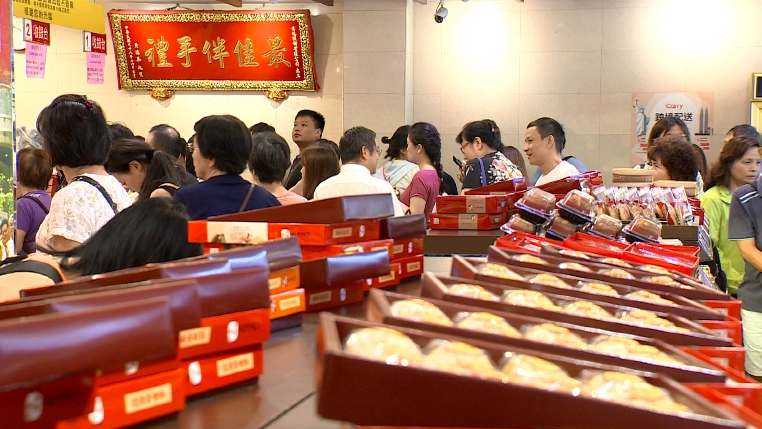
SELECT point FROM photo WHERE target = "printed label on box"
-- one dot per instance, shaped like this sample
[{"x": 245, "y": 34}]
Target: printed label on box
[
  {"x": 147, "y": 398},
  {"x": 398, "y": 248},
  {"x": 320, "y": 297},
  {"x": 195, "y": 337},
  {"x": 387, "y": 278},
  {"x": 342, "y": 232},
  {"x": 467, "y": 221},
  {"x": 236, "y": 232},
  {"x": 289, "y": 303},
  {"x": 476, "y": 205},
  {"x": 273, "y": 283},
  {"x": 235, "y": 364},
  {"x": 413, "y": 266}
]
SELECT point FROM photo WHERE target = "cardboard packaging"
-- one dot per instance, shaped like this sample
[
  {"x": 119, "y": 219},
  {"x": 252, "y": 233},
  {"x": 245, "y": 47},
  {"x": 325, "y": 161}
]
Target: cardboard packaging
[
  {"x": 42, "y": 405},
  {"x": 135, "y": 369},
  {"x": 284, "y": 280},
  {"x": 466, "y": 221},
  {"x": 378, "y": 399},
  {"x": 212, "y": 372},
  {"x": 315, "y": 234},
  {"x": 732, "y": 357},
  {"x": 387, "y": 280},
  {"x": 226, "y": 332},
  {"x": 134, "y": 401},
  {"x": 335, "y": 296},
  {"x": 317, "y": 252},
  {"x": 753, "y": 419},
  {"x": 500, "y": 188},
  {"x": 490, "y": 204},
  {"x": 399, "y": 228},
  {"x": 406, "y": 248},
  {"x": 689, "y": 369},
  {"x": 330, "y": 210},
  {"x": 40, "y": 348},
  {"x": 285, "y": 304},
  {"x": 410, "y": 267},
  {"x": 738, "y": 387},
  {"x": 696, "y": 335},
  {"x": 339, "y": 270},
  {"x": 632, "y": 177},
  {"x": 278, "y": 254}
]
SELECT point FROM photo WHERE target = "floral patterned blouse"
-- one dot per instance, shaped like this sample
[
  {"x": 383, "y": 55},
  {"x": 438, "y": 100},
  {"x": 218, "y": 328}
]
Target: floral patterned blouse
[{"x": 497, "y": 167}]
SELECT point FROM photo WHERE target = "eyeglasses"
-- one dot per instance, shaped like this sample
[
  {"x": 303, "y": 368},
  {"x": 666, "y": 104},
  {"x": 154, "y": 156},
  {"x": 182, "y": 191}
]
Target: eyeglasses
[
  {"x": 378, "y": 150},
  {"x": 463, "y": 146}
]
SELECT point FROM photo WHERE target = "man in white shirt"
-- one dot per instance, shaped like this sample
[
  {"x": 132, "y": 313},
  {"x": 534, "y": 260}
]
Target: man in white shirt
[
  {"x": 359, "y": 156},
  {"x": 544, "y": 141}
]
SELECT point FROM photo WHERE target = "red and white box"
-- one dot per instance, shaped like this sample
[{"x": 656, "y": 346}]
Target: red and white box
[
  {"x": 287, "y": 303},
  {"x": 135, "y": 401},
  {"x": 42, "y": 405},
  {"x": 322, "y": 298},
  {"x": 226, "y": 332},
  {"x": 410, "y": 267},
  {"x": 474, "y": 203},
  {"x": 406, "y": 248},
  {"x": 284, "y": 280},
  {"x": 216, "y": 232},
  {"x": 212, "y": 372},
  {"x": 136, "y": 369},
  {"x": 316, "y": 252},
  {"x": 466, "y": 221},
  {"x": 391, "y": 279}
]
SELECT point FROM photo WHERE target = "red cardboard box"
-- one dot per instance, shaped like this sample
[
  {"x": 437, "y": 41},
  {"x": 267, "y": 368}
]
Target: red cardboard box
[
  {"x": 287, "y": 303},
  {"x": 743, "y": 413},
  {"x": 407, "y": 248},
  {"x": 226, "y": 332},
  {"x": 391, "y": 279},
  {"x": 730, "y": 308},
  {"x": 316, "y": 252},
  {"x": 500, "y": 188},
  {"x": 134, "y": 370},
  {"x": 284, "y": 280},
  {"x": 43, "y": 405},
  {"x": 732, "y": 357},
  {"x": 320, "y": 299},
  {"x": 134, "y": 401},
  {"x": 730, "y": 328},
  {"x": 740, "y": 388},
  {"x": 410, "y": 267},
  {"x": 466, "y": 221},
  {"x": 202, "y": 231},
  {"x": 212, "y": 372},
  {"x": 473, "y": 203}
]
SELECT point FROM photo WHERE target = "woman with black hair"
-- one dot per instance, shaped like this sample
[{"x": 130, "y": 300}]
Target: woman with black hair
[
  {"x": 151, "y": 231},
  {"x": 485, "y": 163},
  {"x": 398, "y": 170},
  {"x": 424, "y": 148},
  {"x": 143, "y": 169},
  {"x": 221, "y": 151},
  {"x": 76, "y": 136},
  {"x": 672, "y": 158}
]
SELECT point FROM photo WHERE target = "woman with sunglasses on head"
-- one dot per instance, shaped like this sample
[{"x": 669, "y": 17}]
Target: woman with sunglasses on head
[
  {"x": 424, "y": 148},
  {"x": 484, "y": 164}
]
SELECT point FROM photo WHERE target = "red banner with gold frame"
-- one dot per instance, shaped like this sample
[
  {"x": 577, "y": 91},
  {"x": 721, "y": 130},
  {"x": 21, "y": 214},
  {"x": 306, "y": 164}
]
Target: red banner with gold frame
[{"x": 270, "y": 51}]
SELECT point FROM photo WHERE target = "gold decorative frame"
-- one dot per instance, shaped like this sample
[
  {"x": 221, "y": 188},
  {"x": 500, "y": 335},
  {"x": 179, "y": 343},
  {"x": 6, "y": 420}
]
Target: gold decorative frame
[
  {"x": 756, "y": 114},
  {"x": 756, "y": 86},
  {"x": 279, "y": 89}
]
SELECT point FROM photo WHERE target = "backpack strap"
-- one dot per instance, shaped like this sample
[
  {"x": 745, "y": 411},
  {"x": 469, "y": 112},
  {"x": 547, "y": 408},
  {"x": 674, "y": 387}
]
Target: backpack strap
[
  {"x": 99, "y": 187},
  {"x": 38, "y": 201},
  {"x": 19, "y": 265},
  {"x": 484, "y": 173},
  {"x": 246, "y": 200}
]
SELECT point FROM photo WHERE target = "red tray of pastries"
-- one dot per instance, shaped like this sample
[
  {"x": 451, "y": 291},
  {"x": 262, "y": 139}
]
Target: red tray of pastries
[
  {"x": 456, "y": 383},
  {"x": 510, "y": 329}
]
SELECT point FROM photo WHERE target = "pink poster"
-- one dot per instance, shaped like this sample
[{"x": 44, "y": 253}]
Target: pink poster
[
  {"x": 35, "y": 60},
  {"x": 96, "y": 62}
]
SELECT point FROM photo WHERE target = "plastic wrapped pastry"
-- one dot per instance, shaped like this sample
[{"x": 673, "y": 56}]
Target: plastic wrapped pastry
[
  {"x": 646, "y": 296},
  {"x": 472, "y": 291},
  {"x": 632, "y": 390},
  {"x": 420, "y": 310},
  {"x": 588, "y": 309},
  {"x": 599, "y": 288},
  {"x": 460, "y": 358},
  {"x": 618, "y": 273},
  {"x": 647, "y": 318},
  {"x": 536, "y": 372},
  {"x": 621, "y": 346},
  {"x": 617, "y": 262},
  {"x": 574, "y": 266},
  {"x": 486, "y": 322},
  {"x": 573, "y": 253},
  {"x": 383, "y": 344},
  {"x": 530, "y": 259},
  {"x": 530, "y": 298},
  {"x": 654, "y": 269},
  {"x": 497, "y": 270},
  {"x": 549, "y": 280},
  {"x": 552, "y": 334}
]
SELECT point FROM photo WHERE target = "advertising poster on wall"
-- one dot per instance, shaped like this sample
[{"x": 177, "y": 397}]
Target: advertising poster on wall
[
  {"x": 696, "y": 109},
  {"x": 6, "y": 133}
]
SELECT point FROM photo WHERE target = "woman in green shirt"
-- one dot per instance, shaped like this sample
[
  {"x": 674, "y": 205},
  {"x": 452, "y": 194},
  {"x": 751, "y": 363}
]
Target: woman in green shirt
[{"x": 739, "y": 164}]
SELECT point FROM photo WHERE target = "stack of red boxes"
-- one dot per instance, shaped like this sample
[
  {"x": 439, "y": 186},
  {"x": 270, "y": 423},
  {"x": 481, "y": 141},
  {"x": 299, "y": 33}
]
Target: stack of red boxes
[
  {"x": 483, "y": 208},
  {"x": 407, "y": 233}
]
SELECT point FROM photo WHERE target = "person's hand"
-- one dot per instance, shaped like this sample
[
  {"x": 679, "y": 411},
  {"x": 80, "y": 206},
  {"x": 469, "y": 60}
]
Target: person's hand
[{"x": 462, "y": 173}]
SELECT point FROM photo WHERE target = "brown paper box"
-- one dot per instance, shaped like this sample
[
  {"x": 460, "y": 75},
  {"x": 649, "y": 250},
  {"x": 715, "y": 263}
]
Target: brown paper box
[
  {"x": 338, "y": 270},
  {"x": 226, "y": 332},
  {"x": 41, "y": 406},
  {"x": 207, "y": 373},
  {"x": 401, "y": 227}
]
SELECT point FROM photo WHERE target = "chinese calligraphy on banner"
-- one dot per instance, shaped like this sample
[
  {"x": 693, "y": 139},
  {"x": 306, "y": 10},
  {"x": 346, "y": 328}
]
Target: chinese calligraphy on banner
[
  {"x": 242, "y": 50},
  {"x": 696, "y": 109}
]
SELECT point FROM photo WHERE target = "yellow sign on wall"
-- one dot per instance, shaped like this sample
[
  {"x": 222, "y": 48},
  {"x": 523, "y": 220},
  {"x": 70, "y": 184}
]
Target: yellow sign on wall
[{"x": 79, "y": 14}]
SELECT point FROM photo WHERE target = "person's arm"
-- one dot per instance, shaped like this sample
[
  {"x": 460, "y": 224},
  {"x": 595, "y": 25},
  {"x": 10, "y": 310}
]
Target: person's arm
[
  {"x": 750, "y": 252},
  {"x": 20, "y": 236},
  {"x": 298, "y": 188},
  {"x": 160, "y": 193},
  {"x": 61, "y": 244},
  {"x": 417, "y": 205}
]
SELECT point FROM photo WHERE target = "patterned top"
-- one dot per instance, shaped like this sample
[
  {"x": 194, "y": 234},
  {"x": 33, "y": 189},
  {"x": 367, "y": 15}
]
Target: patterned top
[
  {"x": 498, "y": 169},
  {"x": 79, "y": 210}
]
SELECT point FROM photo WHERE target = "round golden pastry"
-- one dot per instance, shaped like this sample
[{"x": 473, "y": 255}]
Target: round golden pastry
[
  {"x": 530, "y": 298},
  {"x": 529, "y": 259},
  {"x": 621, "y": 346},
  {"x": 549, "y": 280},
  {"x": 536, "y": 372},
  {"x": 420, "y": 310},
  {"x": 618, "y": 273},
  {"x": 647, "y": 296},
  {"x": 549, "y": 333},
  {"x": 460, "y": 358},
  {"x": 654, "y": 269},
  {"x": 642, "y": 317},
  {"x": 617, "y": 262},
  {"x": 631, "y": 390},
  {"x": 588, "y": 309},
  {"x": 573, "y": 253},
  {"x": 599, "y": 288},
  {"x": 574, "y": 266},
  {"x": 664, "y": 280},
  {"x": 497, "y": 270},
  {"x": 385, "y": 345},
  {"x": 486, "y": 322},
  {"x": 472, "y": 291},
  {"x": 613, "y": 212}
]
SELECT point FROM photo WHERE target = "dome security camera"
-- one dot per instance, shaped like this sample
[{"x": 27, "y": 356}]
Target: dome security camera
[{"x": 441, "y": 13}]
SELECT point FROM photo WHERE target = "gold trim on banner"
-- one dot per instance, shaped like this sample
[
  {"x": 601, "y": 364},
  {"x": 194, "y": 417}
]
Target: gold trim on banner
[
  {"x": 306, "y": 84},
  {"x": 161, "y": 93},
  {"x": 276, "y": 94}
]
